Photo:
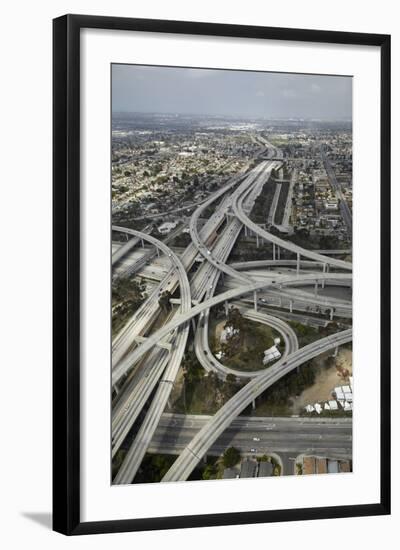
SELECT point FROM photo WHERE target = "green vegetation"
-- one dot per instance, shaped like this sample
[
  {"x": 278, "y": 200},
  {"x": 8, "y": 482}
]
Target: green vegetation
[
  {"x": 211, "y": 468},
  {"x": 276, "y": 466},
  {"x": 299, "y": 469},
  {"x": 280, "y": 208},
  {"x": 153, "y": 468},
  {"x": 277, "y": 470},
  {"x": 246, "y": 249},
  {"x": 245, "y": 350},
  {"x": 263, "y": 202},
  {"x": 230, "y": 457},
  {"x": 202, "y": 392},
  {"x": 307, "y": 335},
  {"x": 303, "y": 238},
  {"x": 210, "y": 472},
  {"x": 264, "y": 458},
  {"x": 183, "y": 240},
  {"x": 127, "y": 295},
  {"x": 276, "y": 400}
]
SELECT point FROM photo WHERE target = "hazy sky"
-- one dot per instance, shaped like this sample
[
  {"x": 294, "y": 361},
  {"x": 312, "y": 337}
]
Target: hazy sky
[{"x": 241, "y": 93}]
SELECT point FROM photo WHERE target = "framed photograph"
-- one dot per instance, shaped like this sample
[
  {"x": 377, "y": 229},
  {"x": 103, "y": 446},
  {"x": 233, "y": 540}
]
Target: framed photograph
[{"x": 221, "y": 274}]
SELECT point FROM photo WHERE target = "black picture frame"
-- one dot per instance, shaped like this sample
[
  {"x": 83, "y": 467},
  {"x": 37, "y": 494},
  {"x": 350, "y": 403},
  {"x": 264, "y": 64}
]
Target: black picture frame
[{"x": 66, "y": 273}]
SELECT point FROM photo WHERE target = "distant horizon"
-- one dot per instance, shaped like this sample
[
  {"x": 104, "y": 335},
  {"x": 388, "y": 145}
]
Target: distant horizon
[
  {"x": 216, "y": 115},
  {"x": 146, "y": 89}
]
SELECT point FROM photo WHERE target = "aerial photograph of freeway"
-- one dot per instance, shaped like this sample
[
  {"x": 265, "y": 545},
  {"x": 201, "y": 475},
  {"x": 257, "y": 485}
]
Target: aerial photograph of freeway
[{"x": 231, "y": 276}]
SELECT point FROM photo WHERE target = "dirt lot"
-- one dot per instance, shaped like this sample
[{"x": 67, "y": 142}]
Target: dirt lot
[{"x": 326, "y": 380}]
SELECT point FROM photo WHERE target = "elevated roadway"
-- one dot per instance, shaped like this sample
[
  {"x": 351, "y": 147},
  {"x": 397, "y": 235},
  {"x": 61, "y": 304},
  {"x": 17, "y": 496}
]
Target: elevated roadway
[
  {"x": 181, "y": 318},
  {"x": 237, "y": 207},
  {"x": 206, "y": 437},
  {"x": 211, "y": 363}
]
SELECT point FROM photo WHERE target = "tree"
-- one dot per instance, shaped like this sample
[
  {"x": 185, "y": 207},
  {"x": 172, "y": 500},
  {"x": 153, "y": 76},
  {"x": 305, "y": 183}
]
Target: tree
[
  {"x": 230, "y": 457},
  {"x": 210, "y": 472},
  {"x": 236, "y": 321},
  {"x": 230, "y": 386},
  {"x": 264, "y": 458},
  {"x": 231, "y": 378}
]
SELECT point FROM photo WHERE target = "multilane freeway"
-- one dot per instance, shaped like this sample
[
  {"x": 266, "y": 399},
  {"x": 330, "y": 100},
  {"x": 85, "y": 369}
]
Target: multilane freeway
[{"x": 147, "y": 354}]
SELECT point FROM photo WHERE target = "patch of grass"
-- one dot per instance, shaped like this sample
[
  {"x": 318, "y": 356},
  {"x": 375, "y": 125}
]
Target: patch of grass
[{"x": 245, "y": 351}]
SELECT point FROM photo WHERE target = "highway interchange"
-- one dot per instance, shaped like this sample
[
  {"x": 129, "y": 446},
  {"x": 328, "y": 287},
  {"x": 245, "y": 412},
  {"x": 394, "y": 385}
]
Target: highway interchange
[{"x": 146, "y": 360}]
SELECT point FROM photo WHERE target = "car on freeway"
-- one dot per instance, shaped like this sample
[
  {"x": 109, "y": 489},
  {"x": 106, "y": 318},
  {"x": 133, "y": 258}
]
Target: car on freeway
[
  {"x": 256, "y": 439},
  {"x": 253, "y": 450}
]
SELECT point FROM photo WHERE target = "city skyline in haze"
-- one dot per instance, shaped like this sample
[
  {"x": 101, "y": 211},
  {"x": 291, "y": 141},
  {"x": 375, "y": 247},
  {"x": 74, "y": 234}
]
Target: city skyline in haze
[{"x": 217, "y": 92}]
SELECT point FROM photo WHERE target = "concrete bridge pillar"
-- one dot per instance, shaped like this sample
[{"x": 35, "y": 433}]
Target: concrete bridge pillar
[
  {"x": 298, "y": 264},
  {"x": 279, "y": 252},
  {"x": 193, "y": 324},
  {"x": 253, "y": 404},
  {"x": 158, "y": 252},
  {"x": 316, "y": 288},
  {"x": 255, "y": 300},
  {"x": 142, "y": 241},
  {"x": 335, "y": 352},
  {"x": 245, "y": 230},
  {"x": 331, "y": 314},
  {"x": 273, "y": 251},
  {"x": 291, "y": 306},
  {"x": 226, "y": 308},
  {"x": 257, "y": 242}
]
